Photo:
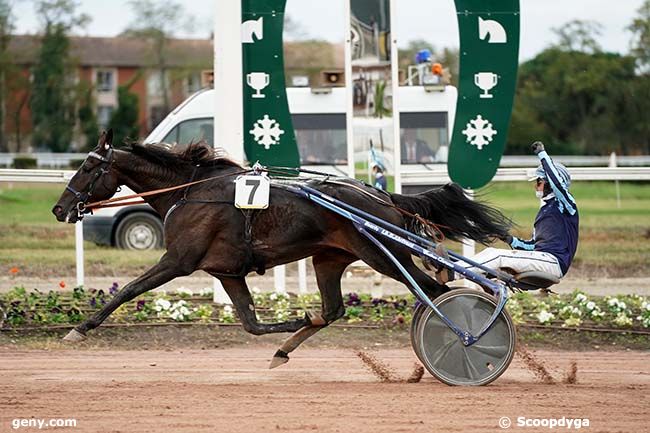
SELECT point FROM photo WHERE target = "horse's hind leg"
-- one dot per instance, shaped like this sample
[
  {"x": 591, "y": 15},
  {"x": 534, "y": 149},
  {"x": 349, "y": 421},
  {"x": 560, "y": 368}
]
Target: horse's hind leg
[
  {"x": 239, "y": 294},
  {"x": 329, "y": 267}
]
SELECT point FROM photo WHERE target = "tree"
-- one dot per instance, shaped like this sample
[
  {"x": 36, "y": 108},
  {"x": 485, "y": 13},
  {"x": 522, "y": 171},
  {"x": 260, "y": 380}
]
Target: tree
[
  {"x": 52, "y": 101},
  {"x": 87, "y": 116},
  {"x": 124, "y": 120},
  {"x": 640, "y": 29},
  {"x": 157, "y": 22},
  {"x": 6, "y": 28},
  {"x": 575, "y": 100},
  {"x": 579, "y": 35}
]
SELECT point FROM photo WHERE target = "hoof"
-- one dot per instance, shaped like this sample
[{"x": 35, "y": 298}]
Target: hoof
[
  {"x": 279, "y": 358},
  {"x": 74, "y": 336}
]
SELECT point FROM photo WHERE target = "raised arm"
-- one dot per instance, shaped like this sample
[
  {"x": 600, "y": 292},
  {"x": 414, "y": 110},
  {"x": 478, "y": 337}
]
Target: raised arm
[{"x": 559, "y": 185}]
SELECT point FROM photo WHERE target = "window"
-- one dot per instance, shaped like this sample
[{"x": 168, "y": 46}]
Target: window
[
  {"x": 192, "y": 83},
  {"x": 104, "y": 81},
  {"x": 192, "y": 131},
  {"x": 424, "y": 137},
  {"x": 104, "y": 113},
  {"x": 157, "y": 114},
  {"x": 321, "y": 138},
  {"x": 155, "y": 88}
]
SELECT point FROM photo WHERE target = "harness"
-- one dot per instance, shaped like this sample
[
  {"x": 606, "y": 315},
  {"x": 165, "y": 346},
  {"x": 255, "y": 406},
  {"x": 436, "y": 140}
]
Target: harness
[
  {"x": 83, "y": 196},
  {"x": 250, "y": 261}
]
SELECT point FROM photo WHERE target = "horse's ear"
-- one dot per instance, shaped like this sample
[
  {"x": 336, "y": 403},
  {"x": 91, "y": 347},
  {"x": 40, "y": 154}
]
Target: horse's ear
[
  {"x": 109, "y": 139},
  {"x": 102, "y": 139}
]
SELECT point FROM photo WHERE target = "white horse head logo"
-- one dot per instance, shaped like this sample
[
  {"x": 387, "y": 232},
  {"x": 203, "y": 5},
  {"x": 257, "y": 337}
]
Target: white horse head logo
[
  {"x": 250, "y": 28},
  {"x": 494, "y": 29}
]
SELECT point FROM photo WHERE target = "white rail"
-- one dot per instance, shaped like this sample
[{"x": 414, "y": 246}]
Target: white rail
[{"x": 422, "y": 177}]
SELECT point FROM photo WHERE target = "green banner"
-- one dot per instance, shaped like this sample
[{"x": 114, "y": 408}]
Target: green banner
[
  {"x": 268, "y": 131},
  {"x": 489, "y": 57}
]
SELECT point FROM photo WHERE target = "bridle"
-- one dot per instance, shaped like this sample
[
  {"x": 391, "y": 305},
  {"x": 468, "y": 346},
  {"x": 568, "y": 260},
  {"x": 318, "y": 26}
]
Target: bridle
[{"x": 84, "y": 196}]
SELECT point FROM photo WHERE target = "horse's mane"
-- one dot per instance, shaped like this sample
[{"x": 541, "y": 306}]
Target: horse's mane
[{"x": 199, "y": 153}]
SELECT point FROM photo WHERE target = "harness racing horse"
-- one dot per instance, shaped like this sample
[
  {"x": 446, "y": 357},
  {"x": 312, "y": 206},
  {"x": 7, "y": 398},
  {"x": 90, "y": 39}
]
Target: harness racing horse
[{"x": 204, "y": 230}]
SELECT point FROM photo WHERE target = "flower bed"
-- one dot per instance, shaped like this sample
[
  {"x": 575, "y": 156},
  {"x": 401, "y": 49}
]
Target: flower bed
[{"x": 22, "y": 308}]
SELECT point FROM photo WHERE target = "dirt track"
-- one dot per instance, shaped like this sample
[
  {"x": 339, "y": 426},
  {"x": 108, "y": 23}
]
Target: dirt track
[{"x": 231, "y": 390}]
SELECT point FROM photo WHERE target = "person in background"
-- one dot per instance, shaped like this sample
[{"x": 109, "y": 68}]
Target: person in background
[
  {"x": 555, "y": 235},
  {"x": 415, "y": 150},
  {"x": 380, "y": 179}
]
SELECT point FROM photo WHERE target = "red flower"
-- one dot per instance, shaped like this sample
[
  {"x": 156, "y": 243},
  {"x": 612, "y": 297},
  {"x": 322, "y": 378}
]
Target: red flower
[
  {"x": 62, "y": 284},
  {"x": 14, "y": 270}
]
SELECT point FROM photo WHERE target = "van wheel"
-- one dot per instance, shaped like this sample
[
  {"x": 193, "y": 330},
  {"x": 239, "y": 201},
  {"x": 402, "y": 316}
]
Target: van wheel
[{"x": 139, "y": 231}]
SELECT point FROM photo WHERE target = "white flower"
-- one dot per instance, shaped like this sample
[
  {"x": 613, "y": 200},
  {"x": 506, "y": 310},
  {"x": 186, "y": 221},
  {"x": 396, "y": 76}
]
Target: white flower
[
  {"x": 206, "y": 291},
  {"x": 184, "y": 291},
  {"x": 646, "y": 306},
  {"x": 622, "y": 320},
  {"x": 162, "y": 305},
  {"x": 227, "y": 309},
  {"x": 591, "y": 305},
  {"x": 581, "y": 298},
  {"x": 256, "y": 290},
  {"x": 545, "y": 317}
]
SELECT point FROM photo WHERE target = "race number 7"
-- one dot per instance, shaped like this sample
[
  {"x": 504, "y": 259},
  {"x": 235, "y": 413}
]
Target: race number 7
[{"x": 252, "y": 192}]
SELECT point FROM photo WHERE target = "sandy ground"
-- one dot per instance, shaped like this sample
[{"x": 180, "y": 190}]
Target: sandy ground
[
  {"x": 328, "y": 390},
  {"x": 370, "y": 283}
]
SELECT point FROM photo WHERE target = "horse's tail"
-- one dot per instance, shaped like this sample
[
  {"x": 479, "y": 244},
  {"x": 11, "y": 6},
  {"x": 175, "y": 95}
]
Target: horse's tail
[{"x": 456, "y": 215}]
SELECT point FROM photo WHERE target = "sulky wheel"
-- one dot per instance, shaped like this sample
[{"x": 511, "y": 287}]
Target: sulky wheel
[{"x": 444, "y": 355}]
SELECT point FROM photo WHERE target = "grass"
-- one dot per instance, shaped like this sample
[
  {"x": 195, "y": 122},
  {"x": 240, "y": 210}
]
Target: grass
[{"x": 613, "y": 241}]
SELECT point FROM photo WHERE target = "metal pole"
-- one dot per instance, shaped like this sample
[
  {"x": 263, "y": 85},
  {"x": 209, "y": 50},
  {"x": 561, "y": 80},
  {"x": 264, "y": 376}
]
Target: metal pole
[
  {"x": 349, "y": 95},
  {"x": 228, "y": 89},
  {"x": 613, "y": 163},
  {"x": 302, "y": 276},
  {"x": 469, "y": 246},
  {"x": 397, "y": 132},
  {"x": 280, "y": 278},
  {"x": 79, "y": 251}
]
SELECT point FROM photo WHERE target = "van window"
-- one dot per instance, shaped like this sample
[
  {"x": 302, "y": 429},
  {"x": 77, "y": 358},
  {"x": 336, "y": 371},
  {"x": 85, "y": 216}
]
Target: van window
[
  {"x": 192, "y": 131},
  {"x": 424, "y": 137},
  {"x": 321, "y": 138}
]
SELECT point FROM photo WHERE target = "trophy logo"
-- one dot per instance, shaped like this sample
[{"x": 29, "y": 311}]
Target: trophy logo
[
  {"x": 258, "y": 81},
  {"x": 486, "y": 81}
]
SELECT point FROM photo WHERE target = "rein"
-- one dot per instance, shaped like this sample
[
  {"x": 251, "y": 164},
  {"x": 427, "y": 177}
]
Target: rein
[{"x": 122, "y": 201}]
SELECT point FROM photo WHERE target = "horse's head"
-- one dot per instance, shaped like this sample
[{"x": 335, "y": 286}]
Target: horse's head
[{"x": 94, "y": 180}]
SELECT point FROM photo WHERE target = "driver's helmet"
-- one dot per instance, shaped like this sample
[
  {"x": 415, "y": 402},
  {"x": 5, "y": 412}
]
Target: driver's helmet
[{"x": 561, "y": 169}]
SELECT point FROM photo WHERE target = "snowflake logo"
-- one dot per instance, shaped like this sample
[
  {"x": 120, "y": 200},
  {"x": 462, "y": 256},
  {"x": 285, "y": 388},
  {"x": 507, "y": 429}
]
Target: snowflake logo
[
  {"x": 267, "y": 132},
  {"x": 479, "y": 132}
]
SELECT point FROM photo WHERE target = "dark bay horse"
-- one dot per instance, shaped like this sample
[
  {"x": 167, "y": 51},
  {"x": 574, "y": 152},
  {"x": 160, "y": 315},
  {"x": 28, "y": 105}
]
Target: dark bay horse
[{"x": 205, "y": 231}]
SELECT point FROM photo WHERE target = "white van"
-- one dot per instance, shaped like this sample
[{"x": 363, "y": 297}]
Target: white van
[{"x": 319, "y": 119}]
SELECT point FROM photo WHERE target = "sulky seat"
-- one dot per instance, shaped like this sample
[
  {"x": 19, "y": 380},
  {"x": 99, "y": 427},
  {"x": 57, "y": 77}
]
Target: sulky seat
[{"x": 536, "y": 280}]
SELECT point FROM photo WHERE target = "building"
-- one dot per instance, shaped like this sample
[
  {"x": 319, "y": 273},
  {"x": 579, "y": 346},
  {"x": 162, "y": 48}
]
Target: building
[{"x": 106, "y": 63}]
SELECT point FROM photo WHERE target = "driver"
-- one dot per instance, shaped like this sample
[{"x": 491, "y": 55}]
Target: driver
[{"x": 555, "y": 234}]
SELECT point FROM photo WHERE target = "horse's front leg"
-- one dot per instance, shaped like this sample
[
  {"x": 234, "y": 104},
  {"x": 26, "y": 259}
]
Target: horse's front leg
[
  {"x": 166, "y": 270},
  {"x": 240, "y": 296}
]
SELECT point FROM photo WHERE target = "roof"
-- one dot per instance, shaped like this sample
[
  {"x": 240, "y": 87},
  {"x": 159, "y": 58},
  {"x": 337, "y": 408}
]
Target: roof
[
  {"x": 119, "y": 51},
  {"x": 136, "y": 52}
]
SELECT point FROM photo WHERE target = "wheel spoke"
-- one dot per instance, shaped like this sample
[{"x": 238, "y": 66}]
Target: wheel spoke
[
  {"x": 469, "y": 366},
  {"x": 494, "y": 351}
]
